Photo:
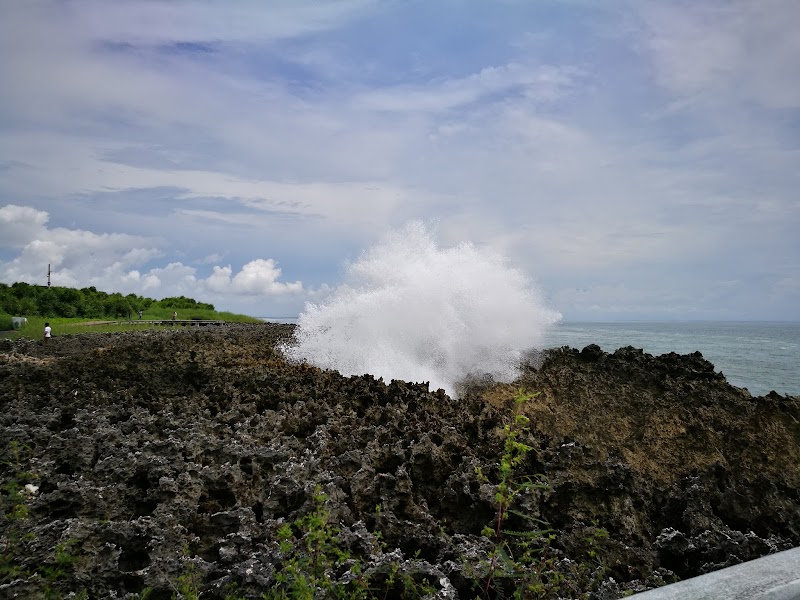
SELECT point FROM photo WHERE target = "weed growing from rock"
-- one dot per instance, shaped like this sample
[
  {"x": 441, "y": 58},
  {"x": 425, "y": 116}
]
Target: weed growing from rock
[
  {"x": 59, "y": 570},
  {"x": 14, "y": 512},
  {"x": 313, "y": 557},
  {"x": 514, "y": 560},
  {"x": 522, "y": 562},
  {"x": 315, "y": 565},
  {"x": 188, "y": 583},
  {"x": 17, "y": 491}
]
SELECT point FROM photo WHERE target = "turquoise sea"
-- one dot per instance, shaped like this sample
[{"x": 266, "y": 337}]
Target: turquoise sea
[{"x": 759, "y": 356}]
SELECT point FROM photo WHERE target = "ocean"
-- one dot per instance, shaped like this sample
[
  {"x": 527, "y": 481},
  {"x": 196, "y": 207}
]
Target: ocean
[{"x": 759, "y": 356}]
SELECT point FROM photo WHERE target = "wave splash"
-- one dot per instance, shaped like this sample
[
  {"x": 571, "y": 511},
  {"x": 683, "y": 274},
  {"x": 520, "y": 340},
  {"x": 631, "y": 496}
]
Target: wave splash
[{"x": 411, "y": 310}]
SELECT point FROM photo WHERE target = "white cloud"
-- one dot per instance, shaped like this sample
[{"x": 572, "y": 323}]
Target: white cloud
[
  {"x": 715, "y": 51},
  {"x": 191, "y": 21},
  {"x": 118, "y": 262},
  {"x": 75, "y": 256},
  {"x": 258, "y": 277},
  {"x": 19, "y": 225},
  {"x": 540, "y": 84},
  {"x": 211, "y": 259},
  {"x": 580, "y": 145}
]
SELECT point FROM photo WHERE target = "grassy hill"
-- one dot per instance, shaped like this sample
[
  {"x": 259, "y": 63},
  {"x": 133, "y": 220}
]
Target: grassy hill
[{"x": 70, "y": 310}]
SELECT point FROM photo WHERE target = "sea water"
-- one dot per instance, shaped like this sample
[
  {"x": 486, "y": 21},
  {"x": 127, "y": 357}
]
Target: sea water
[
  {"x": 410, "y": 309},
  {"x": 759, "y": 356}
]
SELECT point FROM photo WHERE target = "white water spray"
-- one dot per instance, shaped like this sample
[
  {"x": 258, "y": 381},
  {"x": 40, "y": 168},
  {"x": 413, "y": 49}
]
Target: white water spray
[{"x": 413, "y": 311}]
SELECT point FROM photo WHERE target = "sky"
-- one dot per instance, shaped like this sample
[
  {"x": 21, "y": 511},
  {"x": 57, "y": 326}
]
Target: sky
[{"x": 636, "y": 159}]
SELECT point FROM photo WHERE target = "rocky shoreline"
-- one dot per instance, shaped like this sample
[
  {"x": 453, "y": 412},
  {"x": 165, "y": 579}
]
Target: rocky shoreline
[{"x": 164, "y": 464}]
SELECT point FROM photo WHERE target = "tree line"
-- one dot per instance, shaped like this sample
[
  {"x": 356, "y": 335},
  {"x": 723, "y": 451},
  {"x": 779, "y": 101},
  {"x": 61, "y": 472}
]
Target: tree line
[{"x": 22, "y": 299}]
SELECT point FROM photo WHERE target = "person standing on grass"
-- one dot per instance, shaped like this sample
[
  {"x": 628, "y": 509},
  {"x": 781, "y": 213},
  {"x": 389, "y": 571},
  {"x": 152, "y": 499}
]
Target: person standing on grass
[
  {"x": 175, "y": 316},
  {"x": 47, "y": 331},
  {"x": 140, "y": 315}
]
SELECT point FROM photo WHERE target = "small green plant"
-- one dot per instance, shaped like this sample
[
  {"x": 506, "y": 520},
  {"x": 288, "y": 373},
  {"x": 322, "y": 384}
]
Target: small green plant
[
  {"x": 523, "y": 562},
  {"x": 313, "y": 552},
  {"x": 188, "y": 583},
  {"x": 515, "y": 553},
  {"x": 593, "y": 540},
  {"x": 404, "y": 584},
  {"x": 13, "y": 511},
  {"x": 590, "y": 570},
  {"x": 316, "y": 566},
  {"x": 231, "y": 593},
  {"x": 52, "y": 574},
  {"x": 15, "y": 494}
]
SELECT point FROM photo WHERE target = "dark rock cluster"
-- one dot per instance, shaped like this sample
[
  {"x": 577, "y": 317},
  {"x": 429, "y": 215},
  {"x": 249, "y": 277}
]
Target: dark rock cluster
[{"x": 142, "y": 457}]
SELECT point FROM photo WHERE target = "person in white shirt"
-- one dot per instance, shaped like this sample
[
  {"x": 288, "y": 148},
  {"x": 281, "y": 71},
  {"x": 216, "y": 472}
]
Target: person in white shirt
[{"x": 47, "y": 331}]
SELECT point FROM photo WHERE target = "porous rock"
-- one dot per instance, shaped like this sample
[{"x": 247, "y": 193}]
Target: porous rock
[{"x": 159, "y": 452}]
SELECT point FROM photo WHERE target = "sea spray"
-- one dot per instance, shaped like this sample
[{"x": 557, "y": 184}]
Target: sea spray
[{"x": 411, "y": 310}]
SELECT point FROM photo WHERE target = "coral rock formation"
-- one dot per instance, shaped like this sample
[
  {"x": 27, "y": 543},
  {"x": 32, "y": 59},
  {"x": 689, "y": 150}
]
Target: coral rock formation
[{"x": 151, "y": 456}]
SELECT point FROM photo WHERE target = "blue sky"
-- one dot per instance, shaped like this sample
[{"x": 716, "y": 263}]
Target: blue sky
[{"x": 637, "y": 159}]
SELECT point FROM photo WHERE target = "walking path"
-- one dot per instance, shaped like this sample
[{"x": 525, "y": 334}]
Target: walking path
[{"x": 772, "y": 577}]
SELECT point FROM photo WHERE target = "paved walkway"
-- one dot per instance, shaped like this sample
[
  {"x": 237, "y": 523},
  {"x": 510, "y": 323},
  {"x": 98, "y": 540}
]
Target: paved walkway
[
  {"x": 773, "y": 577},
  {"x": 182, "y": 322}
]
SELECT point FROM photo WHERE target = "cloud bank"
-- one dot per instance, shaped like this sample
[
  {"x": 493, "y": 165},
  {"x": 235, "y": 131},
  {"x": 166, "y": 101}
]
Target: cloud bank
[
  {"x": 639, "y": 159},
  {"x": 117, "y": 262}
]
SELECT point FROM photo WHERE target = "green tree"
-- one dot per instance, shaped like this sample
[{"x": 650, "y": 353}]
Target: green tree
[
  {"x": 117, "y": 306},
  {"x": 182, "y": 302},
  {"x": 24, "y": 299}
]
